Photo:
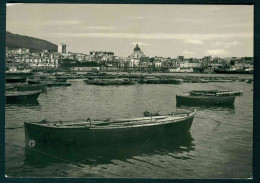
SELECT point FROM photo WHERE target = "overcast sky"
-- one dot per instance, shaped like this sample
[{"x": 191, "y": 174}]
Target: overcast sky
[{"x": 160, "y": 30}]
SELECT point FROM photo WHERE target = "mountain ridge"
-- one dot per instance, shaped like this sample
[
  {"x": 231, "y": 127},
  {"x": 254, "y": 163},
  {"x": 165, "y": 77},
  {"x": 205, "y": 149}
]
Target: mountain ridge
[{"x": 14, "y": 41}]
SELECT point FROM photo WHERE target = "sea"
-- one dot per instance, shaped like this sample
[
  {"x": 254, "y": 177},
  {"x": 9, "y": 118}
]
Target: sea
[{"x": 219, "y": 145}]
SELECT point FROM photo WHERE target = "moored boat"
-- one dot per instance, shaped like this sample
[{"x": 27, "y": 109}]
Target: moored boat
[
  {"x": 93, "y": 132},
  {"x": 215, "y": 92},
  {"x": 22, "y": 96},
  {"x": 159, "y": 80},
  {"x": 31, "y": 87},
  {"x": 50, "y": 84},
  {"x": 193, "y": 100},
  {"x": 15, "y": 79},
  {"x": 109, "y": 81},
  {"x": 25, "y": 87}
]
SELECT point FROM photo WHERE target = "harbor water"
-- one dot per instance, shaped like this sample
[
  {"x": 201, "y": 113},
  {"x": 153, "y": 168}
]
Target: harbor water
[{"x": 220, "y": 144}]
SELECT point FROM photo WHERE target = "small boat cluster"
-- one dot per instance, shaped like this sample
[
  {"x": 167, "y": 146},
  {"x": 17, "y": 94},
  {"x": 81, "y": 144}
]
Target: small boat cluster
[
  {"x": 26, "y": 88},
  {"x": 113, "y": 79}
]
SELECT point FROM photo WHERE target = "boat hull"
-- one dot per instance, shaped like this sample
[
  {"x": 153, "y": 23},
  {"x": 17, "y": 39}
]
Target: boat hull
[
  {"x": 58, "y": 84},
  {"x": 205, "y": 100},
  {"x": 31, "y": 87},
  {"x": 72, "y": 136},
  {"x": 15, "y": 79},
  {"x": 28, "y": 97},
  {"x": 33, "y": 81}
]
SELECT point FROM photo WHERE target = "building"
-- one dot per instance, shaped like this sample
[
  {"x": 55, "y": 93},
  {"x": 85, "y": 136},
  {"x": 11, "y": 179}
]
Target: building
[
  {"x": 180, "y": 58},
  {"x": 62, "y": 48},
  {"x": 206, "y": 60},
  {"x": 135, "y": 57}
]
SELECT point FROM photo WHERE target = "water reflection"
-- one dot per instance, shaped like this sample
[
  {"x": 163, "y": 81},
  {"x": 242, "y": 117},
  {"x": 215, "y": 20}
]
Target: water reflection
[
  {"x": 191, "y": 105},
  {"x": 212, "y": 108},
  {"x": 44, "y": 155}
]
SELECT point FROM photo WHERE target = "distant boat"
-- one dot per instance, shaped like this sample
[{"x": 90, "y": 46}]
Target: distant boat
[
  {"x": 206, "y": 98},
  {"x": 58, "y": 84},
  {"x": 48, "y": 80},
  {"x": 22, "y": 96},
  {"x": 15, "y": 79},
  {"x": 215, "y": 92},
  {"x": 109, "y": 81},
  {"x": 156, "y": 80},
  {"x": 234, "y": 72},
  {"x": 25, "y": 87},
  {"x": 98, "y": 132}
]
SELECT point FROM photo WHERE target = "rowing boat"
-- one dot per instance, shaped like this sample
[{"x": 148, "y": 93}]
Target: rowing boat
[
  {"x": 22, "y": 96},
  {"x": 207, "y": 100},
  {"x": 93, "y": 132},
  {"x": 214, "y": 92}
]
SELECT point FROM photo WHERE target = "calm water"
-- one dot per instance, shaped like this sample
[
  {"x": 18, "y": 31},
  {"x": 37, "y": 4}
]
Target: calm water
[{"x": 219, "y": 145}]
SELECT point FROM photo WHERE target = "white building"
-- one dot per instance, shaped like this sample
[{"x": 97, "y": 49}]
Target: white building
[
  {"x": 62, "y": 48},
  {"x": 134, "y": 59}
]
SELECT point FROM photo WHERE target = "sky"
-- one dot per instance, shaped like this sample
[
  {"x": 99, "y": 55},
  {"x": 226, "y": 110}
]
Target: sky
[{"x": 192, "y": 31}]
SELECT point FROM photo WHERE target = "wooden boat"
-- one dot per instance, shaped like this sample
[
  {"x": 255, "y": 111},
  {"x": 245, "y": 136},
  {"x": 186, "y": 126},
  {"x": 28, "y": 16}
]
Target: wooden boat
[
  {"x": 109, "y": 81},
  {"x": 25, "y": 87},
  {"x": 215, "y": 92},
  {"x": 105, "y": 154},
  {"x": 193, "y": 100},
  {"x": 50, "y": 84},
  {"x": 44, "y": 79},
  {"x": 31, "y": 87},
  {"x": 149, "y": 80},
  {"x": 10, "y": 87},
  {"x": 156, "y": 80},
  {"x": 15, "y": 79},
  {"x": 59, "y": 79},
  {"x": 98, "y": 132},
  {"x": 22, "y": 96}
]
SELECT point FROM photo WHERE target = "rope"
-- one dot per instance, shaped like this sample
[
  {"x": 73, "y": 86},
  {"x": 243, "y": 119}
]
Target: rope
[
  {"x": 210, "y": 118},
  {"x": 55, "y": 157}
]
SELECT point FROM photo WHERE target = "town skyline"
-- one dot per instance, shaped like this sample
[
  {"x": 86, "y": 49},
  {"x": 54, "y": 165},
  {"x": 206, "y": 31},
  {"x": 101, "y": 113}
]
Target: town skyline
[{"x": 193, "y": 31}]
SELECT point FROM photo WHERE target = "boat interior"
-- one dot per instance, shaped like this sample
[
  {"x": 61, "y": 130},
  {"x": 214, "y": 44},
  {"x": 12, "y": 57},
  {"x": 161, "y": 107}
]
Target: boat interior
[{"x": 111, "y": 123}]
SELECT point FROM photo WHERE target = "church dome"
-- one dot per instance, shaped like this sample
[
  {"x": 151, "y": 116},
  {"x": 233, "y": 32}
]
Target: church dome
[{"x": 137, "y": 48}]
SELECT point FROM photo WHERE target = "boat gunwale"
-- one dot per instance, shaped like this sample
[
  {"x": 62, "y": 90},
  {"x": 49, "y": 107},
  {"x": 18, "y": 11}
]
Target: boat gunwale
[
  {"x": 22, "y": 93},
  {"x": 206, "y": 96}
]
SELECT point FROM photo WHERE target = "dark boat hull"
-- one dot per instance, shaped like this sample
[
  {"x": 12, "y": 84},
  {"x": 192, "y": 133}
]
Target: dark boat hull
[
  {"x": 233, "y": 72},
  {"x": 205, "y": 100},
  {"x": 100, "y": 154},
  {"x": 22, "y": 98},
  {"x": 160, "y": 81},
  {"x": 58, "y": 84},
  {"x": 15, "y": 80},
  {"x": 33, "y": 81},
  {"x": 31, "y": 87},
  {"x": 102, "y": 136}
]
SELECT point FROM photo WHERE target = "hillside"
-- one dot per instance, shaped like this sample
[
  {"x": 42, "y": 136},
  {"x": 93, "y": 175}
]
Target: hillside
[{"x": 34, "y": 44}]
